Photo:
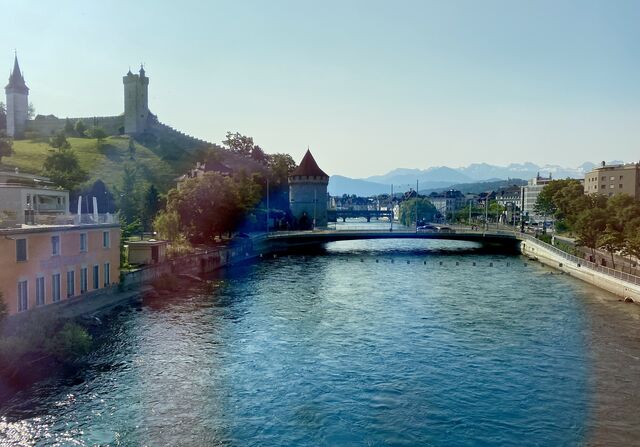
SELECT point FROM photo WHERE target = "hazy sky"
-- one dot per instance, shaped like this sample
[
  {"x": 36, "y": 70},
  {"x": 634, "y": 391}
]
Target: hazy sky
[{"x": 367, "y": 85}]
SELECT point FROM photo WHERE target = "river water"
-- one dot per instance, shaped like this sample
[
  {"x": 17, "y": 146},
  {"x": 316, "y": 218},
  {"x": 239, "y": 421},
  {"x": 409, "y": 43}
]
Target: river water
[{"x": 390, "y": 342}]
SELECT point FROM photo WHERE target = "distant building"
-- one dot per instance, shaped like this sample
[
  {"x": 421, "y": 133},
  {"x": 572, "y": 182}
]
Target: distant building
[
  {"x": 50, "y": 255},
  {"x": 136, "y": 102},
  {"x": 614, "y": 179},
  {"x": 511, "y": 199},
  {"x": 448, "y": 202},
  {"x": 530, "y": 193},
  {"x": 308, "y": 194},
  {"x": 202, "y": 167}
]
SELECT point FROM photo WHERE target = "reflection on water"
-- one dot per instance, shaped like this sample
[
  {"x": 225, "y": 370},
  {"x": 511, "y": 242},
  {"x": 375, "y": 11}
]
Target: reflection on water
[{"x": 373, "y": 343}]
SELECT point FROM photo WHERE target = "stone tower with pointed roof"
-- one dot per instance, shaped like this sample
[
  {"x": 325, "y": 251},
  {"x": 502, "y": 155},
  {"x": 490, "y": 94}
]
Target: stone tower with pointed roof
[
  {"x": 17, "y": 102},
  {"x": 308, "y": 194},
  {"x": 136, "y": 102}
]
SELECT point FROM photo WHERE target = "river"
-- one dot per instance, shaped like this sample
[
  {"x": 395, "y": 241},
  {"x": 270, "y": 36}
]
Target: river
[{"x": 373, "y": 343}]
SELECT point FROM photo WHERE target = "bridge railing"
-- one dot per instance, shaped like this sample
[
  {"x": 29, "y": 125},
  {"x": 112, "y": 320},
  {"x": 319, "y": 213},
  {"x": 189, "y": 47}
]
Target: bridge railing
[{"x": 617, "y": 274}]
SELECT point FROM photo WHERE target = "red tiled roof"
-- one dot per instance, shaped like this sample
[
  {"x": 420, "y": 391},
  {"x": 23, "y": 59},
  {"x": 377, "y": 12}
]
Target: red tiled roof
[{"x": 309, "y": 167}]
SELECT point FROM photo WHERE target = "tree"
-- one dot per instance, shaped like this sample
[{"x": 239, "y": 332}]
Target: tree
[
  {"x": 239, "y": 144},
  {"x": 63, "y": 168},
  {"x": 98, "y": 133},
  {"x": 4, "y": 309},
  {"x": 6, "y": 145},
  {"x": 150, "y": 206},
  {"x": 612, "y": 241},
  {"x": 167, "y": 224},
  {"x": 129, "y": 195},
  {"x": 132, "y": 148},
  {"x": 407, "y": 214},
  {"x": 59, "y": 141},
  {"x": 80, "y": 128},
  {"x": 68, "y": 127},
  {"x": 104, "y": 197},
  {"x": 589, "y": 226},
  {"x": 31, "y": 111},
  {"x": 213, "y": 204},
  {"x": 3, "y": 116}
]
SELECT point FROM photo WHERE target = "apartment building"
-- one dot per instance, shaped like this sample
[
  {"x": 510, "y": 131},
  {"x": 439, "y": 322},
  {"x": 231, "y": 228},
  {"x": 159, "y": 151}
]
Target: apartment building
[{"x": 614, "y": 179}]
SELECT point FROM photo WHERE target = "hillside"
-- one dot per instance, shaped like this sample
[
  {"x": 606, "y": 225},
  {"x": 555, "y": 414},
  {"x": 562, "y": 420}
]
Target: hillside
[{"x": 104, "y": 161}]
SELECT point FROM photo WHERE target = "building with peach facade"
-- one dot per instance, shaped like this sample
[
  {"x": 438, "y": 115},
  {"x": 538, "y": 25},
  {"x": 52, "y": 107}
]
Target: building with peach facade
[{"x": 48, "y": 255}]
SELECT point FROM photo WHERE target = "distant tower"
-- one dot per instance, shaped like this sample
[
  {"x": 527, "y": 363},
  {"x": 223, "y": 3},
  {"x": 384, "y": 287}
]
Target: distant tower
[
  {"x": 136, "y": 103},
  {"x": 17, "y": 102},
  {"x": 308, "y": 194}
]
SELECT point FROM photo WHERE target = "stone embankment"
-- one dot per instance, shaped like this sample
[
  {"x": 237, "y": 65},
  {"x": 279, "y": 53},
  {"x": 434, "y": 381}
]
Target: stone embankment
[{"x": 622, "y": 284}]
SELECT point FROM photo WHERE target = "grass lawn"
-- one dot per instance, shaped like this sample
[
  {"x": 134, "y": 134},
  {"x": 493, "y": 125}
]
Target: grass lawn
[{"x": 104, "y": 161}]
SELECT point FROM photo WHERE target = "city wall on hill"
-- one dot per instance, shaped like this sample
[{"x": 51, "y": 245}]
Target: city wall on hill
[{"x": 46, "y": 125}]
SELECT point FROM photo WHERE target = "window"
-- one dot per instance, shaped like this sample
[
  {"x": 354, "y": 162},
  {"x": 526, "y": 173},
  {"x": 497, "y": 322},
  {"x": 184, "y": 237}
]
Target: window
[
  {"x": 55, "y": 245},
  {"x": 83, "y": 241},
  {"x": 71, "y": 283},
  {"x": 604, "y": 178},
  {"x": 21, "y": 250},
  {"x": 612, "y": 178},
  {"x": 84, "y": 280},
  {"x": 23, "y": 297},
  {"x": 55, "y": 287},
  {"x": 621, "y": 177},
  {"x": 603, "y": 187},
  {"x": 107, "y": 274},
  {"x": 106, "y": 240},
  {"x": 612, "y": 186},
  {"x": 96, "y": 276},
  {"x": 40, "y": 291},
  {"x": 620, "y": 185}
]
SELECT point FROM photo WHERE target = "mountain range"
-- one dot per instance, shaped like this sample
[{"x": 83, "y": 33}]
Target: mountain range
[{"x": 442, "y": 177}]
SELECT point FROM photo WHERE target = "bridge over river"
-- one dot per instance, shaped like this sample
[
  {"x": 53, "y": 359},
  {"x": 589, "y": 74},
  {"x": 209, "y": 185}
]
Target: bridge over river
[{"x": 508, "y": 240}]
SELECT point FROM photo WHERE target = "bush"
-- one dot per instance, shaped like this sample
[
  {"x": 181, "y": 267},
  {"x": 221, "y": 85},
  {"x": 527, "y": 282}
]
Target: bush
[
  {"x": 4, "y": 309},
  {"x": 71, "y": 342}
]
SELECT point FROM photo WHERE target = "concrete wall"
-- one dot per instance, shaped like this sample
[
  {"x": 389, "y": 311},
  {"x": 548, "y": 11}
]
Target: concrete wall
[{"x": 618, "y": 283}]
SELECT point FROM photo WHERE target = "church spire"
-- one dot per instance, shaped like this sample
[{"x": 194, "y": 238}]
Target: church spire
[{"x": 16, "y": 80}]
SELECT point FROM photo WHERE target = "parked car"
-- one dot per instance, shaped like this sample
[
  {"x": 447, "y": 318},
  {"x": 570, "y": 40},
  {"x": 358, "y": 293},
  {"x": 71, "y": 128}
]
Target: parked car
[{"x": 427, "y": 227}]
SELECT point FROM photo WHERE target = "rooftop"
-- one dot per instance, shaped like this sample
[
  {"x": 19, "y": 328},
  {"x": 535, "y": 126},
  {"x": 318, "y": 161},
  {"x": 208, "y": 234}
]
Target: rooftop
[{"x": 309, "y": 167}]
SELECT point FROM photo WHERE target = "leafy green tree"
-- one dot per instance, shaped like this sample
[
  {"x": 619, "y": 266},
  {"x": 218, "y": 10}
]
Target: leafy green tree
[
  {"x": 68, "y": 127},
  {"x": 407, "y": 213},
  {"x": 3, "y": 116},
  {"x": 167, "y": 224},
  {"x": 31, "y": 111},
  {"x": 590, "y": 224},
  {"x": 150, "y": 206},
  {"x": 81, "y": 128},
  {"x": 4, "y": 309},
  {"x": 6, "y": 145},
  {"x": 131, "y": 148},
  {"x": 63, "y": 168},
  {"x": 129, "y": 195},
  {"x": 98, "y": 133},
  {"x": 239, "y": 144},
  {"x": 59, "y": 141},
  {"x": 612, "y": 241},
  {"x": 71, "y": 342},
  {"x": 213, "y": 204}
]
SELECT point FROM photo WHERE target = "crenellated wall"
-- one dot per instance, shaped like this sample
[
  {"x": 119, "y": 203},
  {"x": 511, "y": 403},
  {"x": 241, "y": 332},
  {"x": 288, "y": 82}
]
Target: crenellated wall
[{"x": 46, "y": 125}]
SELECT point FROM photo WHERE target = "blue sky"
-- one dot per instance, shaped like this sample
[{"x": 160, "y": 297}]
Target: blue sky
[{"x": 367, "y": 85}]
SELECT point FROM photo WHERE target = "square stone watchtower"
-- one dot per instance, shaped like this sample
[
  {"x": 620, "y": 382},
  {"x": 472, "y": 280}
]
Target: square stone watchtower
[
  {"x": 308, "y": 194},
  {"x": 136, "y": 102}
]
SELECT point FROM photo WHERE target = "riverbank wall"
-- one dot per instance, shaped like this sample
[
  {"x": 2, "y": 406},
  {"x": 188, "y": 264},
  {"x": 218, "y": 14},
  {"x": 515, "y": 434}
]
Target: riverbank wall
[{"x": 622, "y": 284}]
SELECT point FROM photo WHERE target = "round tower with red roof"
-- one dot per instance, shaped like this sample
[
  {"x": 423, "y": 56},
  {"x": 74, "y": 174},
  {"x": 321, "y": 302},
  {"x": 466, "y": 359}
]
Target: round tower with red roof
[{"x": 308, "y": 194}]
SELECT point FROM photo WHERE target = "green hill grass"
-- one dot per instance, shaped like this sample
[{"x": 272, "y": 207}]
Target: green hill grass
[{"x": 103, "y": 161}]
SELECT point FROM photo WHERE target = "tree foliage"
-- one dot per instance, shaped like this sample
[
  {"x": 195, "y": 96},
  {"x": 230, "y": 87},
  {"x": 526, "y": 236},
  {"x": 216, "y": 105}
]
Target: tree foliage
[
  {"x": 6, "y": 145},
  {"x": 63, "y": 168},
  {"x": 407, "y": 213},
  {"x": 80, "y": 128},
  {"x": 98, "y": 133},
  {"x": 59, "y": 141},
  {"x": 213, "y": 204},
  {"x": 129, "y": 195}
]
